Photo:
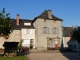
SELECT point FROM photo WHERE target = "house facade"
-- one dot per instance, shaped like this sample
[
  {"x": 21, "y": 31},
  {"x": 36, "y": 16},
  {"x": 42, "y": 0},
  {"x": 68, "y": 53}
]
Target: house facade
[
  {"x": 73, "y": 45},
  {"x": 48, "y": 30},
  {"x": 42, "y": 33},
  {"x": 67, "y": 33},
  {"x": 28, "y": 35}
]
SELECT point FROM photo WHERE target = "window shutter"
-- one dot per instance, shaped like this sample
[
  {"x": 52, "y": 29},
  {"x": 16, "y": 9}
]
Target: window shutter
[
  {"x": 42, "y": 30},
  {"x": 30, "y": 31},
  {"x": 48, "y": 43},
  {"x": 48, "y": 31},
  {"x": 25, "y": 31},
  {"x": 57, "y": 31}
]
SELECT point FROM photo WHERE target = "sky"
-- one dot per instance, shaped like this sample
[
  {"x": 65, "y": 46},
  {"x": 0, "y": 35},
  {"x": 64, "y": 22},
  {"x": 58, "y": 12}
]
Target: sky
[{"x": 68, "y": 10}]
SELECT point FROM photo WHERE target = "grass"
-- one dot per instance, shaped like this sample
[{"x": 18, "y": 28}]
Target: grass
[{"x": 13, "y": 58}]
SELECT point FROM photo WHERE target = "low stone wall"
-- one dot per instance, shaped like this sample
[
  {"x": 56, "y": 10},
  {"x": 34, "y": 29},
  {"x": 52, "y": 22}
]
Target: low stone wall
[
  {"x": 1, "y": 51},
  {"x": 10, "y": 54},
  {"x": 15, "y": 36}
]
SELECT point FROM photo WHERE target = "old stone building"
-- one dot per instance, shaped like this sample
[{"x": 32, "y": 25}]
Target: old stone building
[{"x": 42, "y": 33}]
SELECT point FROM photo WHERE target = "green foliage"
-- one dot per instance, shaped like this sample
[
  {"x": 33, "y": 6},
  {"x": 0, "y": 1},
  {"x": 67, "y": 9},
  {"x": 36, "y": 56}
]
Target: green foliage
[
  {"x": 14, "y": 58},
  {"x": 76, "y": 34},
  {"x": 5, "y": 23},
  {"x": 20, "y": 44}
]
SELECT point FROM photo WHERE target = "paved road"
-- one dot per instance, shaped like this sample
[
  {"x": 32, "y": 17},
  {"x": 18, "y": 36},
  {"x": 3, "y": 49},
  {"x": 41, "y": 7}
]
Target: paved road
[{"x": 53, "y": 56}]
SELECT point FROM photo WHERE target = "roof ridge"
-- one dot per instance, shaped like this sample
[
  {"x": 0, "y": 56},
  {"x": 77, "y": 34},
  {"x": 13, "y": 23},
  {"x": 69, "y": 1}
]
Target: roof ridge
[{"x": 44, "y": 15}]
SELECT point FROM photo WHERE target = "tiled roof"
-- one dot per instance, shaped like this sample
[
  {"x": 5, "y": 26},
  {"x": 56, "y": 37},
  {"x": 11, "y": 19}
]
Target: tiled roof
[
  {"x": 44, "y": 15},
  {"x": 21, "y": 24},
  {"x": 67, "y": 31}
]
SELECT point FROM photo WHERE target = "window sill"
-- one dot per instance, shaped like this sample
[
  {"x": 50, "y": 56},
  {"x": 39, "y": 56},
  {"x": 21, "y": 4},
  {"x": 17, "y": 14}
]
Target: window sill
[
  {"x": 54, "y": 33},
  {"x": 45, "y": 33}
]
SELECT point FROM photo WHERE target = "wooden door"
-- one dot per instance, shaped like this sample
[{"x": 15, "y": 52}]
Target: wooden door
[
  {"x": 56, "y": 44},
  {"x": 50, "y": 44},
  {"x": 31, "y": 43}
]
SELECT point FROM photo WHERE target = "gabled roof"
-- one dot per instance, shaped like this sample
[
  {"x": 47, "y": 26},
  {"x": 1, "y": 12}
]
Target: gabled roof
[
  {"x": 21, "y": 24},
  {"x": 67, "y": 31},
  {"x": 44, "y": 15}
]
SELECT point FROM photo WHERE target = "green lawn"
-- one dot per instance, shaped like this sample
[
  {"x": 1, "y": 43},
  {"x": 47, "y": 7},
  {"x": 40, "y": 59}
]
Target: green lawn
[{"x": 13, "y": 58}]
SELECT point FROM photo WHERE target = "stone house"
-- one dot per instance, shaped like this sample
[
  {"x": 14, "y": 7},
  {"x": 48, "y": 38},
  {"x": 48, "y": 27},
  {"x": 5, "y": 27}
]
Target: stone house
[
  {"x": 67, "y": 33},
  {"x": 42, "y": 33},
  {"x": 48, "y": 30}
]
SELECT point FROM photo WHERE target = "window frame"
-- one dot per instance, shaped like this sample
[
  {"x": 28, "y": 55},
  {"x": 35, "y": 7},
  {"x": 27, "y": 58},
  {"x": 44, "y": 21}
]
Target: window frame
[
  {"x": 55, "y": 30},
  {"x": 27, "y": 31},
  {"x": 45, "y": 30}
]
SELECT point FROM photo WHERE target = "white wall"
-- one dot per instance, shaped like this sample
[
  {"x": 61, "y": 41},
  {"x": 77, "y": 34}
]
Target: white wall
[
  {"x": 26, "y": 43},
  {"x": 26, "y": 37},
  {"x": 74, "y": 42},
  {"x": 65, "y": 41}
]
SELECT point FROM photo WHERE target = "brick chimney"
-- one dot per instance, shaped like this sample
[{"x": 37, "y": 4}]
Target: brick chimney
[
  {"x": 50, "y": 14},
  {"x": 17, "y": 19}
]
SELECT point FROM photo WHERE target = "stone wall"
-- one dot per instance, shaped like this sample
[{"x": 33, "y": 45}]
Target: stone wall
[
  {"x": 14, "y": 36},
  {"x": 41, "y": 41}
]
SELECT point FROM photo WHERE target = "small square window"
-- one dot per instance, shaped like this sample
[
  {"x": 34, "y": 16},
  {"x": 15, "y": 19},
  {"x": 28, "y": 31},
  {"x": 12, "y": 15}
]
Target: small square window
[
  {"x": 54, "y": 21},
  {"x": 44, "y": 20},
  {"x": 45, "y": 30}
]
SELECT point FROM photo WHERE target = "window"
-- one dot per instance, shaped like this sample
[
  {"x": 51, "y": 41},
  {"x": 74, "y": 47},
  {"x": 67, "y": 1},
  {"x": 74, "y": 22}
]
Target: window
[
  {"x": 44, "y": 20},
  {"x": 54, "y": 21},
  {"x": 45, "y": 30},
  {"x": 27, "y": 24},
  {"x": 55, "y": 30},
  {"x": 74, "y": 46},
  {"x": 71, "y": 46},
  {"x": 26, "y": 31}
]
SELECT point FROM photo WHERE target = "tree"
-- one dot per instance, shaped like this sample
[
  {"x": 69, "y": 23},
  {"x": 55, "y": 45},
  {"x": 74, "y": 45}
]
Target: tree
[
  {"x": 19, "y": 46},
  {"x": 76, "y": 34},
  {"x": 5, "y": 23}
]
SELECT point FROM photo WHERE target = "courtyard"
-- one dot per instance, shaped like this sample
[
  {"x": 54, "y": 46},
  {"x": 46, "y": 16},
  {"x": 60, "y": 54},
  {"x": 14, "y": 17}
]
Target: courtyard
[{"x": 54, "y": 55}]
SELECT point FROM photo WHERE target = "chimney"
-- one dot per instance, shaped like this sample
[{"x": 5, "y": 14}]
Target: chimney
[
  {"x": 50, "y": 14},
  {"x": 17, "y": 19}
]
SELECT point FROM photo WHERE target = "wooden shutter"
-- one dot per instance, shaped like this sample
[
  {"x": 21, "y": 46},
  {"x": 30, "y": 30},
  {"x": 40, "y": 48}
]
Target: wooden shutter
[
  {"x": 25, "y": 31},
  {"x": 30, "y": 31},
  {"x": 48, "y": 43}
]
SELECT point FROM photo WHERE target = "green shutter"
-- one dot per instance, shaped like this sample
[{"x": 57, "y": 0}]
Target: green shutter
[{"x": 63, "y": 34}]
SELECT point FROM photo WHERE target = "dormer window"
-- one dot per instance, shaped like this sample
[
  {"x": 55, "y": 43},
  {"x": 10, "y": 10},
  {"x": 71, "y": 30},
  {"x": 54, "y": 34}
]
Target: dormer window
[
  {"x": 27, "y": 24},
  {"x": 54, "y": 21},
  {"x": 44, "y": 20}
]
